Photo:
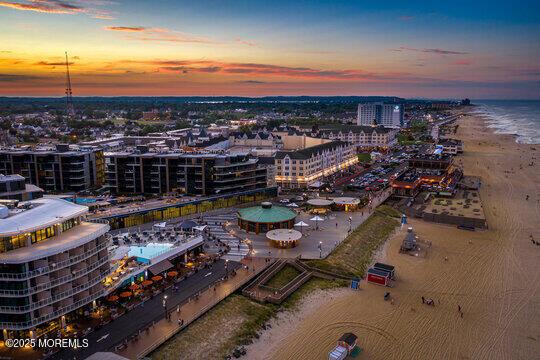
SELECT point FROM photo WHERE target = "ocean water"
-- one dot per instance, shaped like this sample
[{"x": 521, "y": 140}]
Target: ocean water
[{"x": 516, "y": 117}]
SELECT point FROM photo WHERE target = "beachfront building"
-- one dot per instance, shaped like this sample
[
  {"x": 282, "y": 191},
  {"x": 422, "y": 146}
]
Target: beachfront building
[
  {"x": 14, "y": 187},
  {"x": 265, "y": 217},
  {"x": 306, "y": 160},
  {"x": 64, "y": 168},
  {"x": 451, "y": 146},
  {"x": 378, "y": 113},
  {"x": 364, "y": 137},
  {"x": 196, "y": 173},
  {"x": 52, "y": 262}
]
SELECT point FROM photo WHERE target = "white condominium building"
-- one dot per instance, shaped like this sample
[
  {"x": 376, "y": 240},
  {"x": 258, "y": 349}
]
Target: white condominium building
[
  {"x": 378, "y": 113},
  {"x": 52, "y": 262}
]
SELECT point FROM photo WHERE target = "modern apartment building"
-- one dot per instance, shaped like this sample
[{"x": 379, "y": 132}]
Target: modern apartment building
[
  {"x": 65, "y": 168},
  {"x": 362, "y": 136},
  {"x": 141, "y": 172},
  {"x": 14, "y": 187},
  {"x": 378, "y": 113},
  {"x": 306, "y": 160},
  {"x": 52, "y": 262}
]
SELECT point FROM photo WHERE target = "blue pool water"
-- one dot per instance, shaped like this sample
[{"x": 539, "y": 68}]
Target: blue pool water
[
  {"x": 82, "y": 201},
  {"x": 146, "y": 253}
]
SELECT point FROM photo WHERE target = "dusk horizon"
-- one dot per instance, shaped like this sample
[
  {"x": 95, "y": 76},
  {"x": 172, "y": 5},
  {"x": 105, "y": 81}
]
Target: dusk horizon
[{"x": 176, "y": 48}]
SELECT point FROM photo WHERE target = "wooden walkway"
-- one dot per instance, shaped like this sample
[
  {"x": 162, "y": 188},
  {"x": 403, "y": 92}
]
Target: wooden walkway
[{"x": 154, "y": 336}]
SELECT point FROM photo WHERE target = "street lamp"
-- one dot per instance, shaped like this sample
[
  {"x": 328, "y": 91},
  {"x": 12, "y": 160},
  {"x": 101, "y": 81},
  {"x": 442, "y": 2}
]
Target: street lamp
[
  {"x": 165, "y": 304},
  {"x": 226, "y": 267},
  {"x": 320, "y": 249}
]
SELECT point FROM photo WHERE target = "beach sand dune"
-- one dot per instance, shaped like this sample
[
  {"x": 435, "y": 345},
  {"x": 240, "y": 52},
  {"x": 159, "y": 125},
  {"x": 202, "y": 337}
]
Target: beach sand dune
[{"x": 493, "y": 275}]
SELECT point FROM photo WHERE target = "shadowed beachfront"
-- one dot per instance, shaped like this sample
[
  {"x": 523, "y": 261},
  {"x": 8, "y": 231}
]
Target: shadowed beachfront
[{"x": 492, "y": 275}]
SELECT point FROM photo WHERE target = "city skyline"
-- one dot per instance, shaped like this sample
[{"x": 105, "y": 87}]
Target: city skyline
[{"x": 477, "y": 50}]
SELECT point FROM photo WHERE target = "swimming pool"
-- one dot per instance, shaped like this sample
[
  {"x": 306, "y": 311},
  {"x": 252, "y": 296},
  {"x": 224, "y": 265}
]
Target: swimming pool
[
  {"x": 83, "y": 201},
  {"x": 146, "y": 253}
]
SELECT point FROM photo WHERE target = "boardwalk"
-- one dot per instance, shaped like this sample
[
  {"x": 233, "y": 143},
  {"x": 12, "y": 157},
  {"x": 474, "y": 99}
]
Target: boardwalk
[
  {"x": 164, "y": 329},
  {"x": 130, "y": 323}
]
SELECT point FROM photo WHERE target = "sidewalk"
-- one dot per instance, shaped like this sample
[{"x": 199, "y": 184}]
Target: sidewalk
[{"x": 161, "y": 331}]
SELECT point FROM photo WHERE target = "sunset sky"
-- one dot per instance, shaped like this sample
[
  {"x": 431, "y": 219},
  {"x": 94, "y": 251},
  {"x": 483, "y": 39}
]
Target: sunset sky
[{"x": 432, "y": 49}]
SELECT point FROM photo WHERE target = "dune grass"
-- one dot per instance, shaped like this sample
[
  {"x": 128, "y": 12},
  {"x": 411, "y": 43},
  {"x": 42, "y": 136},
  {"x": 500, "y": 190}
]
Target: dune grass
[
  {"x": 283, "y": 277},
  {"x": 354, "y": 254}
]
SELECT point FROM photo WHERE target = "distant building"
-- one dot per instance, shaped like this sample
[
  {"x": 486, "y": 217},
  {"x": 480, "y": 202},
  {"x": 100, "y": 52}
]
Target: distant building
[
  {"x": 150, "y": 115},
  {"x": 305, "y": 160},
  {"x": 362, "y": 136},
  {"x": 142, "y": 172},
  {"x": 378, "y": 113},
  {"x": 451, "y": 146},
  {"x": 52, "y": 263},
  {"x": 65, "y": 168},
  {"x": 14, "y": 187}
]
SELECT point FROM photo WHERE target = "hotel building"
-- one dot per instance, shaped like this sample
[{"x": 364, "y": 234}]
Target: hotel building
[
  {"x": 62, "y": 169},
  {"x": 378, "y": 113},
  {"x": 362, "y": 136},
  {"x": 52, "y": 262},
  {"x": 306, "y": 160},
  {"x": 141, "y": 172}
]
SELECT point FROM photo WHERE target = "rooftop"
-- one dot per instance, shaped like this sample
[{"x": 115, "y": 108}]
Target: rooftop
[
  {"x": 308, "y": 152},
  {"x": 43, "y": 213},
  {"x": 67, "y": 240},
  {"x": 266, "y": 214}
]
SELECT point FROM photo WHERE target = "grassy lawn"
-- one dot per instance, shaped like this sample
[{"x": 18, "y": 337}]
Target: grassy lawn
[
  {"x": 364, "y": 157},
  {"x": 283, "y": 277},
  {"x": 354, "y": 254}
]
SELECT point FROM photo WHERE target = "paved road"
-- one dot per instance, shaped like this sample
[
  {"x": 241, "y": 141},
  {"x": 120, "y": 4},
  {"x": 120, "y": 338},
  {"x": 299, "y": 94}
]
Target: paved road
[{"x": 114, "y": 332}]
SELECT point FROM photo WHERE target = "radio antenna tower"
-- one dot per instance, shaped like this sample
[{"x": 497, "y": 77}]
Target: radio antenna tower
[{"x": 70, "y": 111}]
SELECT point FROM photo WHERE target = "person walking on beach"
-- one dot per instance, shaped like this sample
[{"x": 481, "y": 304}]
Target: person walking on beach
[{"x": 423, "y": 300}]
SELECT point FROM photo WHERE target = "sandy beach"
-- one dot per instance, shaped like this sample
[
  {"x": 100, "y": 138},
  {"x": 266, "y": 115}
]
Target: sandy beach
[{"x": 493, "y": 275}]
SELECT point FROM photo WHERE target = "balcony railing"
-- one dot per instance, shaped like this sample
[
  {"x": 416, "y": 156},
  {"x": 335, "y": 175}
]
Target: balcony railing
[
  {"x": 53, "y": 283},
  {"x": 53, "y": 315},
  {"x": 55, "y": 298},
  {"x": 47, "y": 269}
]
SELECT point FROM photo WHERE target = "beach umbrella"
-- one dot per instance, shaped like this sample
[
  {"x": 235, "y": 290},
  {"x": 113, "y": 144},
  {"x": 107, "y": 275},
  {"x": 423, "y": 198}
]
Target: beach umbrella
[
  {"x": 113, "y": 298},
  {"x": 126, "y": 294},
  {"x": 157, "y": 278},
  {"x": 172, "y": 273},
  {"x": 147, "y": 282},
  {"x": 133, "y": 287},
  {"x": 316, "y": 219},
  {"x": 301, "y": 224}
]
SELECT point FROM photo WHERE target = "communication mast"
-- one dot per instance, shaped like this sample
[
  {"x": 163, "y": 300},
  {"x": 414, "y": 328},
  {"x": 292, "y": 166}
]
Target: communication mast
[{"x": 70, "y": 110}]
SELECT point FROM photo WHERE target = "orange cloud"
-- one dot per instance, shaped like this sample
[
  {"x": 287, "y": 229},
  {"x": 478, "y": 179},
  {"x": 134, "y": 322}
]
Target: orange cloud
[
  {"x": 56, "y": 7},
  {"x": 142, "y": 33},
  {"x": 125, "y": 28},
  {"x": 265, "y": 70}
]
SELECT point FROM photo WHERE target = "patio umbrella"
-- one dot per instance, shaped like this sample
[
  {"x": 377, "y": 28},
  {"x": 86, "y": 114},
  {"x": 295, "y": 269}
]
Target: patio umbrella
[
  {"x": 301, "y": 224},
  {"x": 113, "y": 298},
  {"x": 295, "y": 205},
  {"x": 172, "y": 273},
  {"x": 157, "y": 278},
  {"x": 133, "y": 287},
  {"x": 147, "y": 282},
  {"x": 126, "y": 294},
  {"x": 316, "y": 219}
]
